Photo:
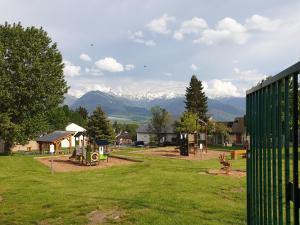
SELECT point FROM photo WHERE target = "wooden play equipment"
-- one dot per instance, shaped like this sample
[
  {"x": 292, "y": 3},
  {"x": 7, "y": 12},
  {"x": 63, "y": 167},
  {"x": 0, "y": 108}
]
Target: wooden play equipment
[
  {"x": 236, "y": 153},
  {"x": 226, "y": 164},
  {"x": 189, "y": 143}
]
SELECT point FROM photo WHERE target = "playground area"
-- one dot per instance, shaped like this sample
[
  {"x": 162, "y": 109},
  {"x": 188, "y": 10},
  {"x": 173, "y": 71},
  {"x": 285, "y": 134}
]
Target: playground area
[
  {"x": 123, "y": 192},
  {"x": 172, "y": 152},
  {"x": 64, "y": 164}
]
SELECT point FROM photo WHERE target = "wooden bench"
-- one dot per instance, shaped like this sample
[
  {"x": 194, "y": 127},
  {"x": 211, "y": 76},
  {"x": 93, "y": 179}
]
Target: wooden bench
[{"x": 236, "y": 153}]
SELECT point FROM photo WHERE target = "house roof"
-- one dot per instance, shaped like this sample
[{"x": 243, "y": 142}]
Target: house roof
[
  {"x": 144, "y": 128},
  {"x": 55, "y": 136},
  {"x": 238, "y": 125},
  {"x": 74, "y": 127}
]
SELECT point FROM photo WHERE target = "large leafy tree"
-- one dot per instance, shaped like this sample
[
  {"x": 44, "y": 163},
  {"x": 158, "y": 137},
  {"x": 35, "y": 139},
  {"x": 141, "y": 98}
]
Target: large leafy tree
[
  {"x": 196, "y": 100},
  {"x": 159, "y": 121},
  {"x": 99, "y": 127},
  {"x": 32, "y": 82},
  {"x": 188, "y": 123},
  {"x": 128, "y": 127}
]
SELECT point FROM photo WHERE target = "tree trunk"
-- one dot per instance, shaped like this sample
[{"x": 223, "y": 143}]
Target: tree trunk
[{"x": 7, "y": 147}]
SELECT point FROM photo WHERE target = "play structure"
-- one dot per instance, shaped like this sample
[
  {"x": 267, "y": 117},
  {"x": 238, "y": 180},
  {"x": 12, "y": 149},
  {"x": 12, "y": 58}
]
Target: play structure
[
  {"x": 86, "y": 156},
  {"x": 190, "y": 143}
]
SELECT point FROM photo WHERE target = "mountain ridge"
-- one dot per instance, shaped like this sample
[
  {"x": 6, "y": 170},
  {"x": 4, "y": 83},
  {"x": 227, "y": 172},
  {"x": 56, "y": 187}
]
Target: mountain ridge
[{"x": 132, "y": 109}]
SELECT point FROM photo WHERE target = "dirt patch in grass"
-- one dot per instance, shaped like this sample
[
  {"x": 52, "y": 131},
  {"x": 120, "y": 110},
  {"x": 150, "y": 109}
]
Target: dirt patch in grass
[
  {"x": 238, "y": 190},
  {"x": 1, "y": 198},
  {"x": 171, "y": 152},
  {"x": 220, "y": 172},
  {"x": 63, "y": 164},
  {"x": 104, "y": 216}
]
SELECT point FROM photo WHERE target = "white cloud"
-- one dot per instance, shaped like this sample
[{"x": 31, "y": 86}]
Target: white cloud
[
  {"x": 168, "y": 74},
  {"x": 85, "y": 57},
  {"x": 70, "y": 70},
  {"x": 227, "y": 29},
  {"x": 138, "y": 37},
  {"x": 194, "y": 67},
  {"x": 129, "y": 67},
  {"x": 248, "y": 75},
  {"x": 261, "y": 23},
  {"x": 193, "y": 26},
  {"x": 219, "y": 88},
  {"x": 150, "y": 43},
  {"x": 161, "y": 25},
  {"x": 178, "y": 35},
  {"x": 109, "y": 64}
]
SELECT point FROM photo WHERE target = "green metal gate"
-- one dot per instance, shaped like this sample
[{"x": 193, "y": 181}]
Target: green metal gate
[{"x": 272, "y": 157}]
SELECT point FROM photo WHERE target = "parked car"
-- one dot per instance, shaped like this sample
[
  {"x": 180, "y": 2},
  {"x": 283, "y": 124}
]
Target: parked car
[{"x": 139, "y": 144}]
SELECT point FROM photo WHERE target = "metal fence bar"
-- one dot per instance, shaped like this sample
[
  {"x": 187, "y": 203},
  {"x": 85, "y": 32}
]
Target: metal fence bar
[
  {"x": 259, "y": 120},
  {"x": 264, "y": 136},
  {"x": 279, "y": 141},
  {"x": 257, "y": 158},
  {"x": 252, "y": 214},
  {"x": 274, "y": 128},
  {"x": 295, "y": 149},
  {"x": 287, "y": 150},
  {"x": 269, "y": 157},
  {"x": 248, "y": 167}
]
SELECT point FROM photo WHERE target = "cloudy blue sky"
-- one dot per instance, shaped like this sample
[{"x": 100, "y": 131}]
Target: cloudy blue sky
[{"x": 152, "y": 47}]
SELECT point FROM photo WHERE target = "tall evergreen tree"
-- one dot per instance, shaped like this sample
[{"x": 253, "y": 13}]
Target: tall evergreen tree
[
  {"x": 82, "y": 111},
  {"x": 99, "y": 127},
  {"x": 196, "y": 100},
  {"x": 31, "y": 82}
]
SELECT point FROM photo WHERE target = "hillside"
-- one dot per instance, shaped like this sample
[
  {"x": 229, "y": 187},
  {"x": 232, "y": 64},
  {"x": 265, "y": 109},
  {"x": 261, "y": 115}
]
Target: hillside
[{"x": 121, "y": 108}]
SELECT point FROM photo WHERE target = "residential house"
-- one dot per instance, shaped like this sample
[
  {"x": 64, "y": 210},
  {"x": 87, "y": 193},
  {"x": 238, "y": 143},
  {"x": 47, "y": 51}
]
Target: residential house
[
  {"x": 237, "y": 133},
  {"x": 144, "y": 134}
]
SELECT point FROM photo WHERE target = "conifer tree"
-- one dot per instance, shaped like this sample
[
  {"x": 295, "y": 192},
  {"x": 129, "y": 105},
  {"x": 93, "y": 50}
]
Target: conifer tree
[
  {"x": 196, "y": 100},
  {"x": 99, "y": 127}
]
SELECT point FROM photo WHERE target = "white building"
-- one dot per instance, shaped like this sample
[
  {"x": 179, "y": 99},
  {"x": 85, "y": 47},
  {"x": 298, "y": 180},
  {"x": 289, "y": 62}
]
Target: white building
[
  {"x": 75, "y": 128},
  {"x": 144, "y": 134}
]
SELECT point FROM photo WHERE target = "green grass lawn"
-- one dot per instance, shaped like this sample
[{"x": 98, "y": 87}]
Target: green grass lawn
[{"x": 156, "y": 191}]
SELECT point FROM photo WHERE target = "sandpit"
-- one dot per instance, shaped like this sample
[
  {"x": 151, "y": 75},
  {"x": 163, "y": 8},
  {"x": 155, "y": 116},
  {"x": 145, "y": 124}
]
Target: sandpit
[
  {"x": 171, "y": 152},
  {"x": 63, "y": 164}
]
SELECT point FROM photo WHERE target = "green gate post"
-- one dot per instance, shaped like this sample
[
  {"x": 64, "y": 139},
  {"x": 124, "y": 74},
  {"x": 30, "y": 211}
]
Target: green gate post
[{"x": 269, "y": 116}]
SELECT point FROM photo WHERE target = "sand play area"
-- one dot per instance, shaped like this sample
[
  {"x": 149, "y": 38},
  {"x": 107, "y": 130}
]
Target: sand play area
[
  {"x": 63, "y": 164},
  {"x": 172, "y": 152}
]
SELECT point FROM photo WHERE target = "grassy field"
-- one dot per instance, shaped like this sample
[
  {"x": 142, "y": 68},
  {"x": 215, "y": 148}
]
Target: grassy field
[{"x": 156, "y": 191}]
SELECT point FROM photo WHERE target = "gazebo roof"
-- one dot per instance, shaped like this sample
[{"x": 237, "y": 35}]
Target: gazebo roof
[{"x": 55, "y": 136}]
